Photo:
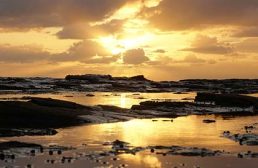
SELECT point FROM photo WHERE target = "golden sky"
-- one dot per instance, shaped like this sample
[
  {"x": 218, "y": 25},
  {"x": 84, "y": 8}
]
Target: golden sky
[{"x": 162, "y": 39}]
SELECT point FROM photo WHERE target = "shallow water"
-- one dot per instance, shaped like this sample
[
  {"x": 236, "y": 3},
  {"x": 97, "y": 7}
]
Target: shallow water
[
  {"x": 183, "y": 131},
  {"x": 124, "y": 100}
]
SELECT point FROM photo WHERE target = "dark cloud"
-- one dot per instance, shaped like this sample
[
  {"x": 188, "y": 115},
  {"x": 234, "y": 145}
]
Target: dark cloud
[
  {"x": 87, "y": 51},
  {"x": 84, "y": 52},
  {"x": 187, "y": 14},
  {"x": 76, "y": 31},
  {"x": 49, "y": 13},
  {"x": 135, "y": 56},
  {"x": 22, "y": 54},
  {"x": 208, "y": 45},
  {"x": 85, "y": 31}
]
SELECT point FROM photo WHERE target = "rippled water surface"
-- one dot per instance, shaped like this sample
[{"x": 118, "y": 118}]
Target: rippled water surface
[
  {"x": 124, "y": 100},
  {"x": 183, "y": 131}
]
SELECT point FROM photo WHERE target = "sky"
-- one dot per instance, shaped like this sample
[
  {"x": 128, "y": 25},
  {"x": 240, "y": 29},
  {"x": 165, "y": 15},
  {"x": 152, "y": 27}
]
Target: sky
[{"x": 161, "y": 39}]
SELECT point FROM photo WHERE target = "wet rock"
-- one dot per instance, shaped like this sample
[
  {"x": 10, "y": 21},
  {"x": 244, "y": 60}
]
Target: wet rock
[
  {"x": 188, "y": 151},
  {"x": 140, "y": 98},
  {"x": 119, "y": 145},
  {"x": 50, "y": 152},
  {"x": 59, "y": 152},
  {"x": 123, "y": 165},
  {"x": 248, "y": 154},
  {"x": 161, "y": 153},
  {"x": 226, "y": 132},
  {"x": 29, "y": 166},
  {"x": 104, "y": 162},
  {"x": 68, "y": 96},
  {"x": 41, "y": 149},
  {"x": 115, "y": 159},
  {"x": 38, "y": 114},
  {"x": 9, "y": 132},
  {"x": 58, "y": 149},
  {"x": 209, "y": 121},
  {"x": 32, "y": 152},
  {"x": 12, "y": 156},
  {"x": 136, "y": 94},
  {"x": 249, "y": 129},
  {"x": 248, "y": 139},
  {"x": 239, "y": 155},
  {"x": 90, "y": 95},
  {"x": 16, "y": 144},
  {"x": 95, "y": 82},
  {"x": 2, "y": 156}
]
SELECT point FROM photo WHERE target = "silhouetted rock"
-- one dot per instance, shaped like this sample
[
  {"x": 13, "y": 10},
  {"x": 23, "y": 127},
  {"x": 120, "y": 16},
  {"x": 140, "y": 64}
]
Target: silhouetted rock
[
  {"x": 92, "y": 78},
  {"x": 16, "y": 144},
  {"x": 107, "y": 83},
  {"x": 138, "y": 78},
  {"x": 227, "y": 100},
  {"x": 248, "y": 139},
  {"x": 41, "y": 113},
  {"x": 209, "y": 121},
  {"x": 8, "y": 132}
]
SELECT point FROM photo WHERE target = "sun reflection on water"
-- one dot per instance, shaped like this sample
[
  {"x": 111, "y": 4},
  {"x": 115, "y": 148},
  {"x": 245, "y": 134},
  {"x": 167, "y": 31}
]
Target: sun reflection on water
[
  {"x": 143, "y": 159},
  {"x": 123, "y": 100}
]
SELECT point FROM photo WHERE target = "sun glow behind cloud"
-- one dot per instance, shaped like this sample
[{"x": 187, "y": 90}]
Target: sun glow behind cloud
[{"x": 117, "y": 46}]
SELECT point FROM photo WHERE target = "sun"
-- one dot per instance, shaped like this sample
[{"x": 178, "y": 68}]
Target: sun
[
  {"x": 116, "y": 46},
  {"x": 111, "y": 44}
]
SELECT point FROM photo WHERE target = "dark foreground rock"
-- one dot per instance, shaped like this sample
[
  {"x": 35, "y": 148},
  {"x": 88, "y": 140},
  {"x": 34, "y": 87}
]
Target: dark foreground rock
[
  {"x": 35, "y": 116},
  {"x": 39, "y": 116},
  {"x": 16, "y": 144},
  {"x": 249, "y": 139},
  {"x": 208, "y": 121},
  {"x": 228, "y": 100},
  {"x": 7, "y": 132},
  {"x": 204, "y": 103},
  {"x": 40, "y": 113},
  {"x": 120, "y": 147}
]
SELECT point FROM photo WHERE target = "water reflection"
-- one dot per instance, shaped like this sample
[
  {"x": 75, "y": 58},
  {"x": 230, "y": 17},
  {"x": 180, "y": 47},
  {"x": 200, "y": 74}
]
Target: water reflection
[
  {"x": 124, "y": 100},
  {"x": 183, "y": 131},
  {"x": 143, "y": 159}
]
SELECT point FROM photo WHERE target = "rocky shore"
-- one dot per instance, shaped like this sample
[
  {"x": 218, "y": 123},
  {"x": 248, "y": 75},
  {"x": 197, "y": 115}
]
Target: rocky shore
[
  {"x": 41, "y": 116},
  {"x": 40, "y": 113},
  {"x": 56, "y": 155},
  {"x": 108, "y": 83}
]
